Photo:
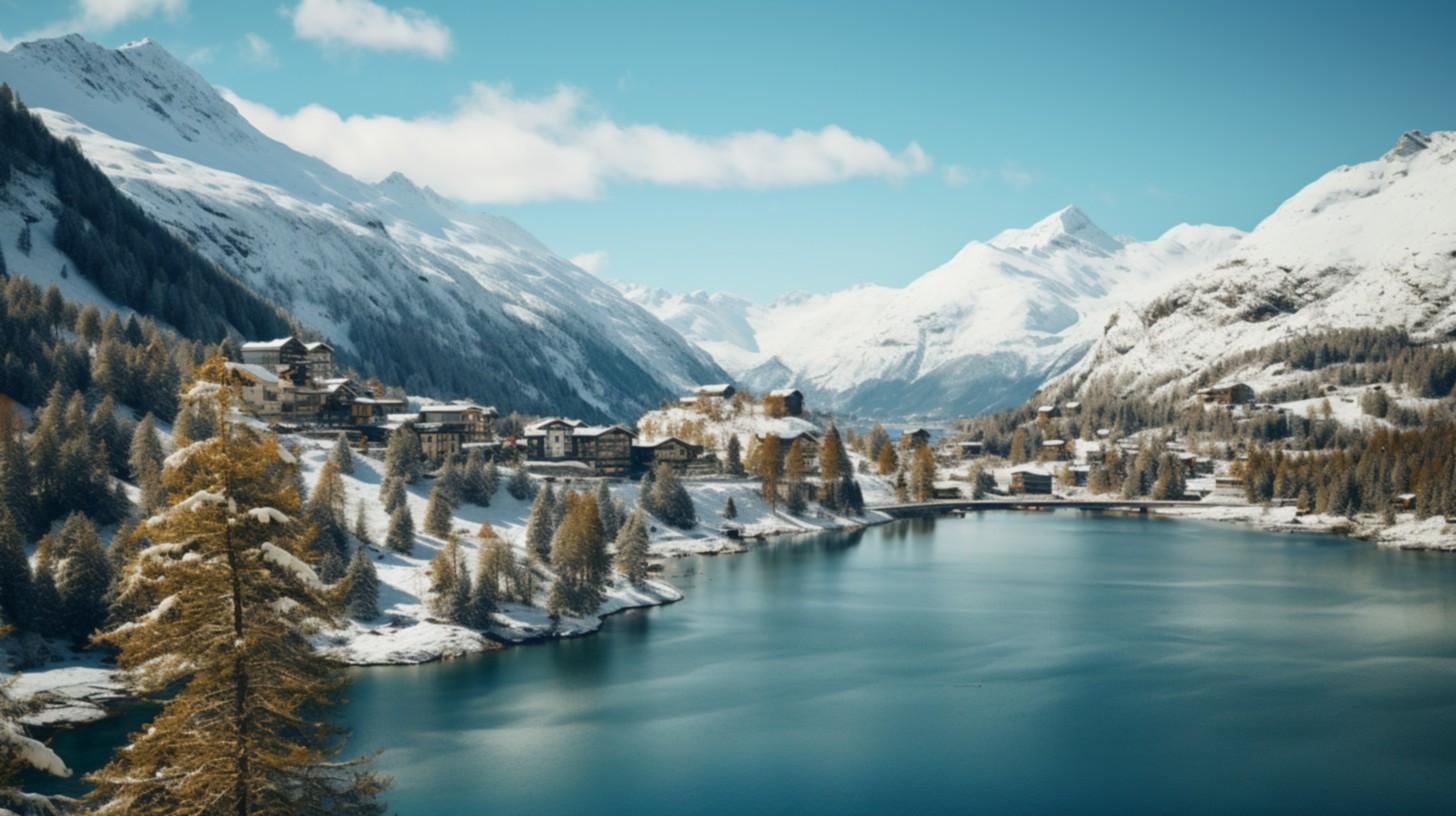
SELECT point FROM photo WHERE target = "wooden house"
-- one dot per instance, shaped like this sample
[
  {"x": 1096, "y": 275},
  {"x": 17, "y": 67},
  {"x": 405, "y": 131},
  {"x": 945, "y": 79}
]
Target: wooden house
[
  {"x": 793, "y": 400},
  {"x": 320, "y": 360},
  {"x": 971, "y": 450},
  {"x": 1047, "y": 413},
  {"x": 550, "y": 440},
  {"x": 285, "y": 351},
  {"x": 682, "y": 455},
  {"x": 445, "y": 429},
  {"x": 374, "y": 410},
  {"x": 910, "y": 440},
  {"x": 1405, "y": 501},
  {"x": 1031, "y": 480},
  {"x": 1227, "y": 394},
  {"x": 721, "y": 391},
  {"x": 1056, "y": 450},
  {"x": 259, "y": 390},
  {"x": 1072, "y": 408},
  {"x": 608, "y": 449}
]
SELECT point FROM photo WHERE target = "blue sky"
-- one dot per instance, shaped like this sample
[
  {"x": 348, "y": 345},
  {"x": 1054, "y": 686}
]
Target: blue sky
[{"x": 761, "y": 147}]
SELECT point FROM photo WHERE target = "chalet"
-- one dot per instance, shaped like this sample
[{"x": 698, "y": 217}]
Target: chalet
[
  {"x": 721, "y": 391},
  {"x": 1047, "y": 413},
  {"x": 946, "y": 492},
  {"x": 971, "y": 450},
  {"x": 914, "y": 439},
  {"x": 259, "y": 389},
  {"x": 1103, "y": 433},
  {"x": 608, "y": 449},
  {"x": 320, "y": 360},
  {"x": 445, "y": 429},
  {"x": 550, "y": 440},
  {"x": 1072, "y": 408},
  {"x": 1227, "y": 394},
  {"x": 682, "y": 455},
  {"x": 1055, "y": 449},
  {"x": 808, "y": 445},
  {"x": 285, "y": 351},
  {"x": 793, "y": 400},
  {"x": 1031, "y": 480},
  {"x": 1405, "y": 501},
  {"x": 374, "y": 410},
  {"x": 1080, "y": 474}
]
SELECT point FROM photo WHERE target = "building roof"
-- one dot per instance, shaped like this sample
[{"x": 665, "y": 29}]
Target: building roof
[
  {"x": 599, "y": 430},
  {"x": 1031, "y": 469},
  {"x": 1054, "y": 443},
  {"x": 785, "y": 392},
  {"x": 1046, "y": 408},
  {"x": 270, "y": 345},
  {"x": 380, "y": 401},
  {"x": 254, "y": 372},
  {"x": 456, "y": 408},
  {"x": 715, "y": 390},
  {"x": 1074, "y": 405},
  {"x": 319, "y": 346},
  {"x": 538, "y": 428},
  {"x": 659, "y": 443}
]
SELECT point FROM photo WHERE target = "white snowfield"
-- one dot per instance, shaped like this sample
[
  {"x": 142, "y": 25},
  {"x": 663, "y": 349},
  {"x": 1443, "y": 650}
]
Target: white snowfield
[
  {"x": 980, "y": 332},
  {"x": 1367, "y": 246},
  {"x": 391, "y": 259}
]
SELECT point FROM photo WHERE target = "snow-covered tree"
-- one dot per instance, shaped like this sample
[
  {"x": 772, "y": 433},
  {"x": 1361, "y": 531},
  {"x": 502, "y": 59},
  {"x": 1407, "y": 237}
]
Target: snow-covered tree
[
  {"x": 401, "y": 536},
  {"x": 404, "y": 458},
  {"x": 611, "y": 522},
  {"x": 670, "y": 500},
  {"x": 579, "y": 559},
  {"x": 362, "y": 600},
  {"x": 440, "y": 512},
  {"x": 361, "y": 524},
  {"x": 232, "y": 605},
  {"x": 342, "y": 455},
  {"x": 730, "y": 510},
  {"x": 539, "y": 526},
  {"x": 520, "y": 484},
  {"x": 631, "y": 545},
  {"x": 391, "y": 494}
]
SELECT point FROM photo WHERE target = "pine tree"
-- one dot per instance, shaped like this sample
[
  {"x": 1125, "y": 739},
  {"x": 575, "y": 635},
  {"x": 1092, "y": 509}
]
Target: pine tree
[
  {"x": 885, "y": 461},
  {"x": 362, "y": 600},
  {"x": 328, "y": 503},
  {"x": 539, "y": 528},
  {"x": 922, "y": 474},
  {"x": 439, "y": 513},
  {"x": 404, "y": 458},
  {"x": 342, "y": 455},
  {"x": 392, "y": 494},
  {"x": 231, "y": 604},
  {"x": 479, "y": 479},
  {"x": 670, "y": 499},
  {"x": 15, "y": 589},
  {"x": 769, "y": 469},
  {"x": 331, "y": 568},
  {"x": 16, "y": 481},
  {"x": 145, "y": 464},
  {"x": 520, "y": 484},
  {"x": 452, "y": 484},
  {"x": 730, "y": 510},
  {"x": 982, "y": 482},
  {"x": 106, "y": 430},
  {"x": 631, "y": 544},
  {"x": 492, "y": 557},
  {"x": 45, "y": 599},
  {"x": 579, "y": 559},
  {"x": 449, "y": 583},
  {"x": 611, "y": 522},
  {"x": 733, "y": 464},
  {"x": 361, "y": 525},
  {"x": 833, "y": 460},
  {"x": 84, "y": 579},
  {"x": 401, "y": 537},
  {"x": 795, "y": 500}
]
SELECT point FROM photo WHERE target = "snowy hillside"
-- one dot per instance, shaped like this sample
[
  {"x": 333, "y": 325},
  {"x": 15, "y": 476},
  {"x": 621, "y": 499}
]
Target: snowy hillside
[
  {"x": 409, "y": 286},
  {"x": 1373, "y": 245},
  {"x": 980, "y": 332}
]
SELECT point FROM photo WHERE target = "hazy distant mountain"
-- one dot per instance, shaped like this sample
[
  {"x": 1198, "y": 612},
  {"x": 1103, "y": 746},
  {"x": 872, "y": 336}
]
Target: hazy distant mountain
[
  {"x": 409, "y": 286},
  {"x": 979, "y": 333}
]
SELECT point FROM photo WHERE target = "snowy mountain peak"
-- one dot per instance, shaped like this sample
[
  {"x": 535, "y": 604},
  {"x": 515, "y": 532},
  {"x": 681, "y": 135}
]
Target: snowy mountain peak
[
  {"x": 1067, "y": 228},
  {"x": 1410, "y": 143}
]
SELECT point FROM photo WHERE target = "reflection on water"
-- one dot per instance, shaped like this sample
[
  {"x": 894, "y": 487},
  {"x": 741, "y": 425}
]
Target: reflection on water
[{"x": 1003, "y": 663}]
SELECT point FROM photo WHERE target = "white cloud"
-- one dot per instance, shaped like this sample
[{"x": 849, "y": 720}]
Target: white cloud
[
  {"x": 257, "y": 51},
  {"x": 594, "y": 262},
  {"x": 496, "y": 147},
  {"x": 102, "y": 15},
  {"x": 1015, "y": 176},
  {"x": 363, "y": 24},
  {"x": 958, "y": 175},
  {"x": 97, "y": 16}
]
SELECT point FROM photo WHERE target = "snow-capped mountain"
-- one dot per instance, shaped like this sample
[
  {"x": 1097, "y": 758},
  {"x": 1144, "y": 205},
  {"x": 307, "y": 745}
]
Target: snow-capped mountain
[
  {"x": 409, "y": 286},
  {"x": 1364, "y": 246},
  {"x": 981, "y": 332}
]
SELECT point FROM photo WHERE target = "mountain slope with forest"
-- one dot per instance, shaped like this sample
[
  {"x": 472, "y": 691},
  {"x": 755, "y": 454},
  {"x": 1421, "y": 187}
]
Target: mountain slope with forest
[{"x": 410, "y": 287}]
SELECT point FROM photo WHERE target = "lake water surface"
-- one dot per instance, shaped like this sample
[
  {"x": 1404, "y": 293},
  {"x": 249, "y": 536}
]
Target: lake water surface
[{"x": 1002, "y": 663}]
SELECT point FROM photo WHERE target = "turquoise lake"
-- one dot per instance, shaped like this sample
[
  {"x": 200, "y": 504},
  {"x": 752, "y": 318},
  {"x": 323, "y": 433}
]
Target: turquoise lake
[{"x": 1001, "y": 663}]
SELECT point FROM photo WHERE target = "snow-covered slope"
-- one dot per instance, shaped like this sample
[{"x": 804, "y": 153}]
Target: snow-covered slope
[
  {"x": 979, "y": 333},
  {"x": 1372, "y": 245},
  {"x": 411, "y": 287}
]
